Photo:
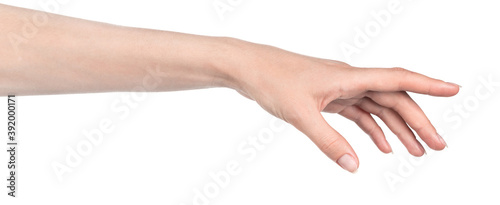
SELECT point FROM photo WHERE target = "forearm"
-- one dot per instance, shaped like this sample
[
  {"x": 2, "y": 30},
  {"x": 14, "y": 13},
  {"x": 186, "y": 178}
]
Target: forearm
[{"x": 68, "y": 55}]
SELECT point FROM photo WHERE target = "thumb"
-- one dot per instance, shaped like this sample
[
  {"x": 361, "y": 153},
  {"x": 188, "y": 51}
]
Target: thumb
[{"x": 328, "y": 140}]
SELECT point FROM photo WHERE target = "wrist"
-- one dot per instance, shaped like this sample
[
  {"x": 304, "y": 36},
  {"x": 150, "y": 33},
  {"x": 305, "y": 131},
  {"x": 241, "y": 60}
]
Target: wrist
[{"x": 226, "y": 61}]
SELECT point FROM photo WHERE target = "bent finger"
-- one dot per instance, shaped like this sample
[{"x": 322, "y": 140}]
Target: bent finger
[
  {"x": 412, "y": 114},
  {"x": 366, "y": 122},
  {"x": 396, "y": 124}
]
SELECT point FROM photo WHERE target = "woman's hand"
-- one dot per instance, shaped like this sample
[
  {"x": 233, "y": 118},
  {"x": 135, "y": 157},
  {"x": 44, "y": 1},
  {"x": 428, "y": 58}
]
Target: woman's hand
[
  {"x": 70, "y": 55},
  {"x": 298, "y": 88}
]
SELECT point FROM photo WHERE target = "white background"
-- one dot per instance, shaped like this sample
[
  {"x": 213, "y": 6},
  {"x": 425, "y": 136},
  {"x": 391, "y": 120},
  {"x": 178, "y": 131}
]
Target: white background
[{"x": 170, "y": 142}]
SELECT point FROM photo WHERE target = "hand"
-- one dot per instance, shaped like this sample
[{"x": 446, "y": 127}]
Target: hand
[
  {"x": 298, "y": 88},
  {"x": 292, "y": 87}
]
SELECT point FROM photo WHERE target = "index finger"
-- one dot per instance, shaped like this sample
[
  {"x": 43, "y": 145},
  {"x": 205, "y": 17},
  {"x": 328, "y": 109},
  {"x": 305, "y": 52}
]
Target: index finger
[{"x": 399, "y": 79}]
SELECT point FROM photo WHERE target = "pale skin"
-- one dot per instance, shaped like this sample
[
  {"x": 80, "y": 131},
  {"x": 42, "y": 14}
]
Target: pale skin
[{"x": 68, "y": 55}]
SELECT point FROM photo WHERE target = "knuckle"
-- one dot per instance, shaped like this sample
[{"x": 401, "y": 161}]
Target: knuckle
[
  {"x": 329, "y": 145},
  {"x": 336, "y": 63},
  {"x": 419, "y": 127},
  {"x": 399, "y": 69},
  {"x": 359, "y": 118},
  {"x": 402, "y": 133},
  {"x": 399, "y": 102},
  {"x": 381, "y": 112},
  {"x": 372, "y": 130}
]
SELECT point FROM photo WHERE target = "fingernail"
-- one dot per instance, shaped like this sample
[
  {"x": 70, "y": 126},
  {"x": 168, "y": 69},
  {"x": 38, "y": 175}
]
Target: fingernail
[
  {"x": 455, "y": 84},
  {"x": 348, "y": 163},
  {"x": 422, "y": 149},
  {"x": 442, "y": 140}
]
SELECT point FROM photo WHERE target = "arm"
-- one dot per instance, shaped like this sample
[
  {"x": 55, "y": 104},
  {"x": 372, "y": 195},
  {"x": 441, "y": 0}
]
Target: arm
[{"x": 70, "y": 55}]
